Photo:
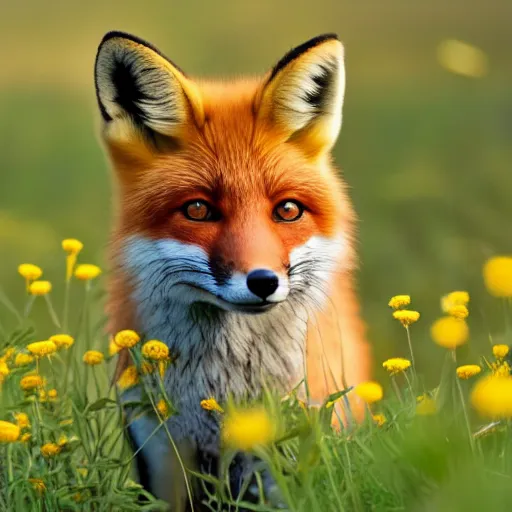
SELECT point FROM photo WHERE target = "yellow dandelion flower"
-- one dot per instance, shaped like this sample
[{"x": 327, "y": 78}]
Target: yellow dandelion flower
[
  {"x": 43, "y": 397},
  {"x": 449, "y": 332},
  {"x": 245, "y": 429},
  {"x": 8, "y": 354},
  {"x": 40, "y": 288},
  {"x": 468, "y": 370},
  {"x": 42, "y": 348},
  {"x": 155, "y": 350},
  {"x": 22, "y": 420},
  {"x": 50, "y": 450},
  {"x": 396, "y": 365},
  {"x": 62, "y": 340},
  {"x": 126, "y": 338},
  {"x": 4, "y": 369},
  {"x": 128, "y": 378},
  {"x": 498, "y": 276},
  {"x": 399, "y": 301},
  {"x": 162, "y": 408},
  {"x": 86, "y": 272},
  {"x": 406, "y": 317},
  {"x": 492, "y": 396},
  {"x": 52, "y": 394},
  {"x": 23, "y": 359},
  {"x": 459, "y": 311},
  {"x": 370, "y": 392},
  {"x": 9, "y": 432},
  {"x": 210, "y": 404},
  {"x": 63, "y": 441},
  {"x": 113, "y": 347},
  {"x": 380, "y": 419},
  {"x": 25, "y": 438},
  {"x": 457, "y": 298},
  {"x": 29, "y": 272},
  {"x": 93, "y": 357},
  {"x": 500, "y": 368},
  {"x": 31, "y": 381},
  {"x": 500, "y": 351},
  {"x": 72, "y": 247},
  {"x": 38, "y": 485},
  {"x": 426, "y": 406}
]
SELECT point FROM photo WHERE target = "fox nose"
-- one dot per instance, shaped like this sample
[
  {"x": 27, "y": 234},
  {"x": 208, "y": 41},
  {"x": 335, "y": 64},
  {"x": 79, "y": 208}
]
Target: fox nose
[{"x": 262, "y": 282}]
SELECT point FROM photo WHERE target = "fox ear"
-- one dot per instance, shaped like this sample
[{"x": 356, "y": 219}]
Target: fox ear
[
  {"x": 303, "y": 95},
  {"x": 138, "y": 88}
]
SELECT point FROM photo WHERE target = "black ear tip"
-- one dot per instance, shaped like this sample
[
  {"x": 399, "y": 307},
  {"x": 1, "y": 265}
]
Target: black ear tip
[{"x": 299, "y": 50}]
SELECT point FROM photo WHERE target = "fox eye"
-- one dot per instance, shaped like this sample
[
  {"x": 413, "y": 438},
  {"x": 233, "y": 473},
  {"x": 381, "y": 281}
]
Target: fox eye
[
  {"x": 198, "y": 210},
  {"x": 288, "y": 211}
]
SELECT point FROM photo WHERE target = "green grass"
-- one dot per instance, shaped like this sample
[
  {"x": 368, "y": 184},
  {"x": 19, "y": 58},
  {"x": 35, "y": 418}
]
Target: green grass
[{"x": 413, "y": 461}]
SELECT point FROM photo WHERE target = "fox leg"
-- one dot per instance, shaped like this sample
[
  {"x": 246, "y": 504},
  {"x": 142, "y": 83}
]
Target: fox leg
[{"x": 160, "y": 471}]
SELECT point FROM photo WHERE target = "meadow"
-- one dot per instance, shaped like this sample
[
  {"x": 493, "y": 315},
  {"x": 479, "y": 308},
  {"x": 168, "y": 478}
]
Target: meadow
[
  {"x": 61, "y": 424},
  {"x": 425, "y": 150}
]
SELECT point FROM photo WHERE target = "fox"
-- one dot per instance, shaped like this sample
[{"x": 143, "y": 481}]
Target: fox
[{"x": 233, "y": 240}]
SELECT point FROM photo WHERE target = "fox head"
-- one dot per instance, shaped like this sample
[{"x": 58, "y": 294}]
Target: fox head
[{"x": 226, "y": 192}]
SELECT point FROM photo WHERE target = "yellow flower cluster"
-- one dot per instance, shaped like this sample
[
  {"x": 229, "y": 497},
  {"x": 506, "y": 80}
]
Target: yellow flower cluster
[
  {"x": 29, "y": 272},
  {"x": 492, "y": 396},
  {"x": 498, "y": 276},
  {"x": 40, "y": 288},
  {"x": 500, "y": 351},
  {"x": 22, "y": 420},
  {"x": 93, "y": 357},
  {"x": 87, "y": 272},
  {"x": 370, "y": 391},
  {"x": 453, "y": 299},
  {"x": 49, "y": 450},
  {"x": 210, "y": 404},
  {"x": 38, "y": 485},
  {"x": 379, "y": 419},
  {"x": 42, "y": 348},
  {"x": 72, "y": 247},
  {"x": 155, "y": 350},
  {"x": 162, "y": 409},
  {"x": 9, "y": 432},
  {"x": 245, "y": 429},
  {"x": 23, "y": 359},
  {"x": 467, "y": 371},
  {"x": 31, "y": 382},
  {"x": 406, "y": 317},
  {"x": 399, "y": 301},
  {"x": 128, "y": 378},
  {"x": 62, "y": 340},
  {"x": 126, "y": 338},
  {"x": 396, "y": 365},
  {"x": 450, "y": 332}
]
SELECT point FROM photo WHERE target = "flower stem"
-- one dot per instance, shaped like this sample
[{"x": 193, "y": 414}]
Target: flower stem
[
  {"x": 397, "y": 390},
  {"x": 51, "y": 311},
  {"x": 410, "y": 347},
  {"x": 464, "y": 408},
  {"x": 65, "y": 311}
]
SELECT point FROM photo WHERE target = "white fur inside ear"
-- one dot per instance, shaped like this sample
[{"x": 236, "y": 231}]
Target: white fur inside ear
[
  {"x": 134, "y": 81},
  {"x": 310, "y": 91}
]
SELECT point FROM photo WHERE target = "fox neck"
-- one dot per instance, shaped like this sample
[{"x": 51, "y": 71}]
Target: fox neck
[{"x": 220, "y": 352}]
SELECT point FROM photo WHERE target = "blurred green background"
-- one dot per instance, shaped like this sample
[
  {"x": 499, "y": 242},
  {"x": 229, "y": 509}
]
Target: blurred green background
[{"x": 427, "y": 152}]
